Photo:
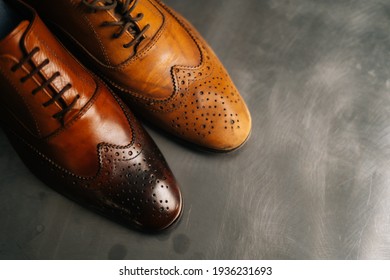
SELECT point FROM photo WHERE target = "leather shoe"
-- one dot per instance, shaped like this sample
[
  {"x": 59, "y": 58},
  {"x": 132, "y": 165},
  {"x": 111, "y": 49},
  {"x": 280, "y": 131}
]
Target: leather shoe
[
  {"x": 78, "y": 137},
  {"x": 159, "y": 65}
]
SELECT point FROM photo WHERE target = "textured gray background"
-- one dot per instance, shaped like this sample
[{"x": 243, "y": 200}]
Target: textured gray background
[{"x": 312, "y": 182}]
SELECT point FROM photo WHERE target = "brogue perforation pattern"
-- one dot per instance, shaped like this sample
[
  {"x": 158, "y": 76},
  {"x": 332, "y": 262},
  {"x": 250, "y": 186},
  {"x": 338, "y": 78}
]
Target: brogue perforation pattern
[
  {"x": 126, "y": 186},
  {"x": 130, "y": 167},
  {"x": 203, "y": 96}
]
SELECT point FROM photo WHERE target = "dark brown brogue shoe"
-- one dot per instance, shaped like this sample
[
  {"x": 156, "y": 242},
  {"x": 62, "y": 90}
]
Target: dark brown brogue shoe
[
  {"x": 158, "y": 63},
  {"x": 76, "y": 136}
]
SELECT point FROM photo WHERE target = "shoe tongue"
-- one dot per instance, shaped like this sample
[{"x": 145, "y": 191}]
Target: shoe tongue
[
  {"x": 151, "y": 16},
  {"x": 114, "y": 48}
]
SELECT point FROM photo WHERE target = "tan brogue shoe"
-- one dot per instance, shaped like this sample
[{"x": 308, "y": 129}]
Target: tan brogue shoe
[
  {"x": 78, "y": 137},
  {"x": 158, "y": 64}
]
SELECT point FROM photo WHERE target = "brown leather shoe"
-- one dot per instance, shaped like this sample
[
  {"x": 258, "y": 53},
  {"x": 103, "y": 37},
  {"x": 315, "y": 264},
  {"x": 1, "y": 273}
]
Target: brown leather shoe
[
  {"x": 78, "y": 137},
  {"x": 158, "y": 64}
]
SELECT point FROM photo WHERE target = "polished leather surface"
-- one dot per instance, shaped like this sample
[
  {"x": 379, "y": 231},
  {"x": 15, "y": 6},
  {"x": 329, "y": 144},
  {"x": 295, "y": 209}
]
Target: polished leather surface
[
  {"x": 312, "y": 182},
  {"x": 169, "y": 75},
  {"x": 76, "y": 136}
]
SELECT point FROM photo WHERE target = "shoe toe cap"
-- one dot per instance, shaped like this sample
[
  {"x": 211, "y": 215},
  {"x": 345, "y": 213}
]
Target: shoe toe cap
[
  {"x": 211, "y": 113},
  {"x": 142, "y": 191}
]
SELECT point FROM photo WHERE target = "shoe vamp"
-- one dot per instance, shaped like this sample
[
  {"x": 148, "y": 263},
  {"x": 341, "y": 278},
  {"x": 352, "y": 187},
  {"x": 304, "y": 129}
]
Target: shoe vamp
[
  {"x": 149, "y": 73},
  {"x": 76, "y": 146}
]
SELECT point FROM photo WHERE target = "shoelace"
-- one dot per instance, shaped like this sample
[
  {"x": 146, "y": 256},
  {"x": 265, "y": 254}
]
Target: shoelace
[
  {"x": 126, "y": 23},
  {"x": 60, "y": 115}
]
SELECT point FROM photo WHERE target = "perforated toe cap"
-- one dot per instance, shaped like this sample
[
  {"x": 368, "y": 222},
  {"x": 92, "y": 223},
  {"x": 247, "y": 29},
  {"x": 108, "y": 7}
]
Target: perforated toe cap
[{"x": 142, "y": 191}]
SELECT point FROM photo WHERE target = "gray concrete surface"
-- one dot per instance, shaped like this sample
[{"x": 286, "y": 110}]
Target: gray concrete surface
[{"x": 313, "y": 182}]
